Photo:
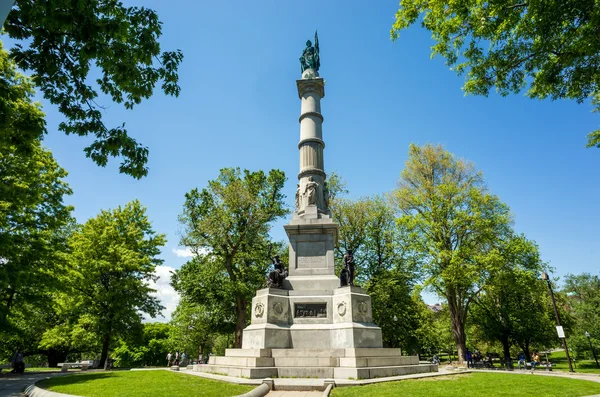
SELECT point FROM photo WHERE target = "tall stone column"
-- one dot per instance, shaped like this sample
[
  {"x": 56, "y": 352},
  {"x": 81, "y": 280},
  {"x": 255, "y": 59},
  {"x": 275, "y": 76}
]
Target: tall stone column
[
  {"x": 311, "y": 194},
  {"x": 312, "y": 232}
]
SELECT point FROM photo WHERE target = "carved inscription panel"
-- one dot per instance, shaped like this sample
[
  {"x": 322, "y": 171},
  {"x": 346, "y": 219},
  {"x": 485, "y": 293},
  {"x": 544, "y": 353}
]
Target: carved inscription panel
[
  {"x": 311, "y": 255},
  {"x": 310, "y": 310}
]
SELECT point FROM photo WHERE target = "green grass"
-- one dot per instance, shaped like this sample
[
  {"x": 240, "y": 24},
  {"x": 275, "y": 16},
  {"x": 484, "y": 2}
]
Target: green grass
[
  {"x": 476, "y": 384},
  {"x": 141, "y": 383},
  {"x": 559, "y": 363},
  {"x": 41, "y": 369}
]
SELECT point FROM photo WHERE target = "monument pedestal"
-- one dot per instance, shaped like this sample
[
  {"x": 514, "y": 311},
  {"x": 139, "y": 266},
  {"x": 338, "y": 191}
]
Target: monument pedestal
[
  {"x": 313, "y": 333},
  {"x": 331, "y": 319}
]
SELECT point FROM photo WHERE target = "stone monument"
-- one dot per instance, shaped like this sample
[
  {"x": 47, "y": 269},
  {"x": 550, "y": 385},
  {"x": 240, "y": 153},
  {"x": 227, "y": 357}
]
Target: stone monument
[{"x": 311, "y": 326}]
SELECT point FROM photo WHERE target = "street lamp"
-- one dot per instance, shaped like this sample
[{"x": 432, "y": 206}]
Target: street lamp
[
  {"x": 558, "y": 327},
  {"x": 587, "y": 335}
]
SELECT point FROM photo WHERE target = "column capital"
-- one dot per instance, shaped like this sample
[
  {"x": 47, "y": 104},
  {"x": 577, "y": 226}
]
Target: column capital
[{"x": 316, "y": 85}]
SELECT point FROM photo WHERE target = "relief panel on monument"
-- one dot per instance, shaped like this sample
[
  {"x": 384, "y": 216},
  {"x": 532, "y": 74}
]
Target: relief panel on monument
[{"x": 311, "y": 254}]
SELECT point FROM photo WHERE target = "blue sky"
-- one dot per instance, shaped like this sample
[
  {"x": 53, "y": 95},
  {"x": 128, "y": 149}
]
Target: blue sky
[{"x": 239, "y": 107}]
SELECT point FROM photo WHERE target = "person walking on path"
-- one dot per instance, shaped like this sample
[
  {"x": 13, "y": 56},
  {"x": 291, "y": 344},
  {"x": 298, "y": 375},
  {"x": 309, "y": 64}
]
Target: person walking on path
[
  {"x": 469, "y": 358},
  {"x": 169, "y": 357},
  {"x": 521, "y": 358}
]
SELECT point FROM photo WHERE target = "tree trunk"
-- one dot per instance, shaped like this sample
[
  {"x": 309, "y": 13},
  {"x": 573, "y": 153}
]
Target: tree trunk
[
  {"x": 506, "y": 350},
  {"x": 55, "y": 357},
  {"x": 241, "y": 321},
  {"x": 104, "y": 355},
  {"x": 457, "y": 318}
]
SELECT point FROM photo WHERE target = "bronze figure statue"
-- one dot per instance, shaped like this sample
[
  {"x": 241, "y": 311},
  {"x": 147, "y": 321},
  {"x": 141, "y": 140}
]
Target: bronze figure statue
[
  {"x": 347, "y": 274},
  {"x": 310, "y": 58},
  {"x": 277, "y": 275}
]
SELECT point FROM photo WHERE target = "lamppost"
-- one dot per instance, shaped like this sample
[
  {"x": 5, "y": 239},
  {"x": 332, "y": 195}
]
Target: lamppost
[
  {"x": 395, "y": 325},
  {"x": 587, "y": 335},
  {"x": 558, "y": 327}
]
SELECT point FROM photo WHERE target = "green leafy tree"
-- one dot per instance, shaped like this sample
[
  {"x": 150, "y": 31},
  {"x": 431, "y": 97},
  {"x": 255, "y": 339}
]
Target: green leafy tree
[
  {"x": 550, "y": 48},
  {"x": 512, "y": 308},
  {"x": 583, "y": 291},
  {"x": 148, "y": 349},
  {"x": 452, "y": 219},
  {"x": 229, "y": 221},
  {"x": 113, "y": 258},
  {"x": 194, "y": 328},
  {"x": 61, "y": 41},
  {"x": 33, "y": 226},
  {"x": 21, "y": 119}
]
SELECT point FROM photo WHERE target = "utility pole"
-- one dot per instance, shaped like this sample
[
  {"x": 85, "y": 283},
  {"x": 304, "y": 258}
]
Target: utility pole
[{"x": 558, "y": 326}]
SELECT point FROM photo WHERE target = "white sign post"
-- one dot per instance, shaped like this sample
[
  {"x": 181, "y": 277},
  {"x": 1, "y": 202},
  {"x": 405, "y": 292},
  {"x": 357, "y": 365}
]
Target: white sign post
[{"x": 560, "y": 331}]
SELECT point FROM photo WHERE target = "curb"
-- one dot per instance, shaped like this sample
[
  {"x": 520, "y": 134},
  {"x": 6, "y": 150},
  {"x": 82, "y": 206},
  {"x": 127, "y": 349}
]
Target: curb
[
  {"x": 260, "y": 391},
  {"x": 327, "y": 390},
  {"x": 34, "y": 391}
]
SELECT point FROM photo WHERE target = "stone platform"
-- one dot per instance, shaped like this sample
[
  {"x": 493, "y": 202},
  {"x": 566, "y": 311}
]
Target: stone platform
[{"x": 354, "y": 363}]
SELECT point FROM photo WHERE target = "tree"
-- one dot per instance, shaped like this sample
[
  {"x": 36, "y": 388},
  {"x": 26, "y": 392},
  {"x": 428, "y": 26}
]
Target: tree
[
  {"x": 113, "y": 258},
  {"x": 230, "y": 221},
  {"x": 148, "y": 349},
  {"x": 34, "y": 225},
  {"x": 21, "y": 119},
  {"x": 583, "y": 291},
  {"x": 512, "y": 308},
  {"x": 60, "y": 41},
  {"x": 456, "y": 223},
  {"x": 194, "y": 328},
  {"x": 549, "y": 47}
]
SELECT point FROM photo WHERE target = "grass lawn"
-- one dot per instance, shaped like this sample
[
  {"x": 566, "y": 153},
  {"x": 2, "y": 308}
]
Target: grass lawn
[
  {"x": 476, "y": 384},
  {"x": 559, "y": 359},
  {"x": 141, "y": 383}
]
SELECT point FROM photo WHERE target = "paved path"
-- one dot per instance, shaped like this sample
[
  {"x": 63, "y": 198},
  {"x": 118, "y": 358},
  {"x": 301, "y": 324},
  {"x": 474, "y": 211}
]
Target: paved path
[
  {"x": 295, "y": 394},
  {"x": 11, "y": 385}
]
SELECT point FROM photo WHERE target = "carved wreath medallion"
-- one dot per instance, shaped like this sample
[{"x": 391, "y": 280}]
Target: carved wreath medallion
[
  {"x": 341, "y": 307},
  {"x": 278, "y": 308},
  {"x": 259, "y": 309},
  {"x": 362, "y": 307}
]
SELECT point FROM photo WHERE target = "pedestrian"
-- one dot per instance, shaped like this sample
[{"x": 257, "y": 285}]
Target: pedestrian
[
  {"x": 183, "y": 359},
  {"x": 521, "y": 358},
  {"x": 169, "y": 357},
  {"x": 177, "y": 358},
  {"x": 469, "y": 358},
  {"x": 436, "y": 359},
  {"x": 18, "y": 363}
]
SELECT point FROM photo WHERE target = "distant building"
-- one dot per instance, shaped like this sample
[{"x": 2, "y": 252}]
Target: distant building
[{"x": 435, "y": 308}]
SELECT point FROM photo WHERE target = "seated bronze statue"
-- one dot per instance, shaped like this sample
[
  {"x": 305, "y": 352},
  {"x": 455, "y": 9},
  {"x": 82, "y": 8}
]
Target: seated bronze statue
[{"x": 277, "y": 275}]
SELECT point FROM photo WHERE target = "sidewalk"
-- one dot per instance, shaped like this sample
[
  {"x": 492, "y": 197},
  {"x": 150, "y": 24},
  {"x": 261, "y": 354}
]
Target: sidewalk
[
  {"x": 295, "y": 394},
  {"x": 11, "y": 385}
]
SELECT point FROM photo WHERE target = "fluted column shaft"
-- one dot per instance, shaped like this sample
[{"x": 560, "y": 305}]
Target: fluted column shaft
[{"x": 312, "y": 171}]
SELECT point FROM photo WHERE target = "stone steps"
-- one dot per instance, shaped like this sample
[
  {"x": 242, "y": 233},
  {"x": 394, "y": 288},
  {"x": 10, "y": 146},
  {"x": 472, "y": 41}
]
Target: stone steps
[
  {"x": 238, "y": 372},
  {"x": 360, "y": 362},
  {"x": 305, "y": 353},
  {"x": 242, "y": 361},
  {"x": 316, "y": 372},
  {"x": 380, "y": 372},
  {"x": 306, "y": 361}
]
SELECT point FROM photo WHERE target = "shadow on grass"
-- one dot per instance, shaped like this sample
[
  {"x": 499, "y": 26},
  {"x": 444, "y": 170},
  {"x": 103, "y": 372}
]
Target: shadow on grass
[{"x": 73, "y": 379}]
